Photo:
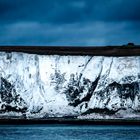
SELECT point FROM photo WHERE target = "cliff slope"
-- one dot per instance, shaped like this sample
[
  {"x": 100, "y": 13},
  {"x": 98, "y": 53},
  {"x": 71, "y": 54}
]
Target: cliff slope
[{"x": 41, "y": 86}]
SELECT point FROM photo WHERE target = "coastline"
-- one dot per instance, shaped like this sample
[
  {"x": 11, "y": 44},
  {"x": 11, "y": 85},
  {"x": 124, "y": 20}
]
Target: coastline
[{"x": 74, "y": 121}]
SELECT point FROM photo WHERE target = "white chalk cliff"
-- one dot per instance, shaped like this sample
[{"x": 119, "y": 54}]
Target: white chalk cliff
[{"x": 41, "y": 86}]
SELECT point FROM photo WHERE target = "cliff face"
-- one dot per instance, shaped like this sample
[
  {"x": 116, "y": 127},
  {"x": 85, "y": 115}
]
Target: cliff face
[{"x": 53, "y": 85}]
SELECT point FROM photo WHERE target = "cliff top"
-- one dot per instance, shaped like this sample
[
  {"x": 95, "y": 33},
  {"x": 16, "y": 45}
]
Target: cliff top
[{"x": 125, "y": 50}]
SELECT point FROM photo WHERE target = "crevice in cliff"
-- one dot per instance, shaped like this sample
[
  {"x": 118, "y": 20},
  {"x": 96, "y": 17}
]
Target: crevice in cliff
[
  {"x": 104, "y": 77},
  {"x": 77, "y": 101},
  {"x": 81, "y": 73},
  {"x": 77, "y": 88}
]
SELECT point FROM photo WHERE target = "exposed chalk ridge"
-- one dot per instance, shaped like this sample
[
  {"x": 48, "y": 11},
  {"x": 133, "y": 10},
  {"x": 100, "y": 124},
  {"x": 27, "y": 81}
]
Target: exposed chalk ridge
[{"x": 42, "y": 86}]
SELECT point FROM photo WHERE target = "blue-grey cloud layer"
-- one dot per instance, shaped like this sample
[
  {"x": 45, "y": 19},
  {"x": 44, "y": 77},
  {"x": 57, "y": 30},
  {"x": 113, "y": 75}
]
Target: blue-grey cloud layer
[{"x": 69, "y": 22}]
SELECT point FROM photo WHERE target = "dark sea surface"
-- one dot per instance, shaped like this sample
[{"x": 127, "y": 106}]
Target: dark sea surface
[{"x": 69, "y": 132}]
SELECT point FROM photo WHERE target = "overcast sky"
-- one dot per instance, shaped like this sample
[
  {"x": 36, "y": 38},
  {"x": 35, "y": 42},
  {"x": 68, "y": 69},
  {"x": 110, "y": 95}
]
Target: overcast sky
[{"x": 69, "y": 22}]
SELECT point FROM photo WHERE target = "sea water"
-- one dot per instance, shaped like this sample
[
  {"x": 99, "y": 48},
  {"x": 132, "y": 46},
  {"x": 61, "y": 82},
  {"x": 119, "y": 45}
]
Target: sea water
[{"x": 69, "y": 132}]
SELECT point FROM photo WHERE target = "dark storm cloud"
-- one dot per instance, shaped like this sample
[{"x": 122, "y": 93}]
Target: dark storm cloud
[
  {"x": 69, "y": 11},
  {"x": 69, "y": 22},
  {"x": 85, "y": 34}
]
